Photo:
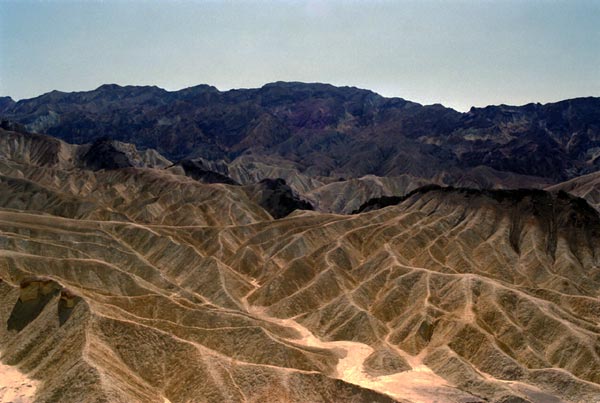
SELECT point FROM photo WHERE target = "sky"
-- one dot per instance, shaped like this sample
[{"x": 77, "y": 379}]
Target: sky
[{"x": 458, "y": 53}]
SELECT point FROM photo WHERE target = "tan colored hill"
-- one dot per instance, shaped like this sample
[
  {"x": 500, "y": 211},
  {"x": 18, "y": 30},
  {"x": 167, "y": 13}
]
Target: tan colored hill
[
  {"x": 337, "y": 194},
  {"x": 586, "y": 186},
  {"x": 139, "y": 285}
]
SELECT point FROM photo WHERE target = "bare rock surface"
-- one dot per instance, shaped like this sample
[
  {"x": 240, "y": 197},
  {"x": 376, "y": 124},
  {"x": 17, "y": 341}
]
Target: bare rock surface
[
  {"x": 586, "y": 187},
  {"x": 138, "y": 284}
]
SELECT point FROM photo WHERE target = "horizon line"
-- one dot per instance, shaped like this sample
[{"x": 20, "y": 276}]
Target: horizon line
[{"x": 249, "y": 88}]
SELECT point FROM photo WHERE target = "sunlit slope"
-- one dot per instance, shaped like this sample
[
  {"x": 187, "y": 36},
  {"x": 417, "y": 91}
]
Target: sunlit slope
[
  {"x": 482, "y": 286},
  {"x": 40, "y": 173},
  {"x": 138, "y": 285}
]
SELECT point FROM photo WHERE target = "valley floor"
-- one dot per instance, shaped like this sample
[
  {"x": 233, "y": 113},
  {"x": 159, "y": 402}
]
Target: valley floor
[{"x": 15, "y": 387}]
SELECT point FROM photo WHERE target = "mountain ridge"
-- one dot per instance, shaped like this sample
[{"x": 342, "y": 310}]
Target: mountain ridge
[
  {"x": 211, "y": 88},
  {"x": 324, "y": 130}
]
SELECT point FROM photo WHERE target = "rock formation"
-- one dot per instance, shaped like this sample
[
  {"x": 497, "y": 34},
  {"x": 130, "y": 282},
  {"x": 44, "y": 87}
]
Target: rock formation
[{"x": 139, "y": 284}]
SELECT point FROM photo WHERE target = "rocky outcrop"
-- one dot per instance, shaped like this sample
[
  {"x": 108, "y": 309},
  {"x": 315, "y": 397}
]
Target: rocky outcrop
[
  {"x": 34, "y": 295},
  {"x": 102, "y": 154},
  {"x": 276, "y": 197},
  {"x": 105, "y": 153},
  {"x": 385, "y": 362}
]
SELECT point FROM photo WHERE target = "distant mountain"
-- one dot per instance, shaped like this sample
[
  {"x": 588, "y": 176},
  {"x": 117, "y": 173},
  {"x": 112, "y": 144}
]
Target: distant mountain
[{"x": 320, "y": 130}]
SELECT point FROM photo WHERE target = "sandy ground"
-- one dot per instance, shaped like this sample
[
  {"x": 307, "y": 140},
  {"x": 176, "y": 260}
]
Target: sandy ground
[
  {"x": 15, "y": 387},
  {"x": 419, "y": 385}
]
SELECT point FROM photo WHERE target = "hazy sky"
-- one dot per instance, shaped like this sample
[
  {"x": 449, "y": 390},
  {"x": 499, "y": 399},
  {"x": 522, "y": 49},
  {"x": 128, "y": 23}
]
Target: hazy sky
[{"x": 458, "y": 53}]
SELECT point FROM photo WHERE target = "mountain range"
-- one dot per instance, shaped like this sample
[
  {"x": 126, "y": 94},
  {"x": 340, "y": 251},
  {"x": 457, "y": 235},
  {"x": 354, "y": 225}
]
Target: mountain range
[
  {"x": 297, "y": 243},
  {"x": 325, "y": 130}
]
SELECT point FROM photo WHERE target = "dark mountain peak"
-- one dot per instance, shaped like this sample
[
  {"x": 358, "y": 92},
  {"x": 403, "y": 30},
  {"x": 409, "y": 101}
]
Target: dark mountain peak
[
  {"x": 297, "y": 85},
  {"x": 198, "y": 89},
  {"x": 580, "y": 102},
  {"x": 92, "y": 100},
  {"x": 5, "y": 103},
  {"x": 47, "y": 98},
  {"x": 107, "y": 153},
  {"x": 108, "y": 87},
  {"x": 127, "y": 91},
  {"x": 104, "y": 154},
  {"x": 132, "y": 88},
  {"x": 502, "y": 111},
  {"x": 436, "y": 106},
  {"x": 298, "y": 90}
]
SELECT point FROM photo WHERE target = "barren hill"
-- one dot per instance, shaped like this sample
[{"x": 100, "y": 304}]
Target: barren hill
[{"x": 139, "y": 284}]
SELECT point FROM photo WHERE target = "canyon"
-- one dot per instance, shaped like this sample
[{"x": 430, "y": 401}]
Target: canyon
[{"x": 297, "y": 243}]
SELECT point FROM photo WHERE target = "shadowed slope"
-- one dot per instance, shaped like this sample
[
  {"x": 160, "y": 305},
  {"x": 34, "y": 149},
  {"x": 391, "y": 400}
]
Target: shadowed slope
[
  {"x": 276, "y": 197},
  {"x": 587, "y": 187}
]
